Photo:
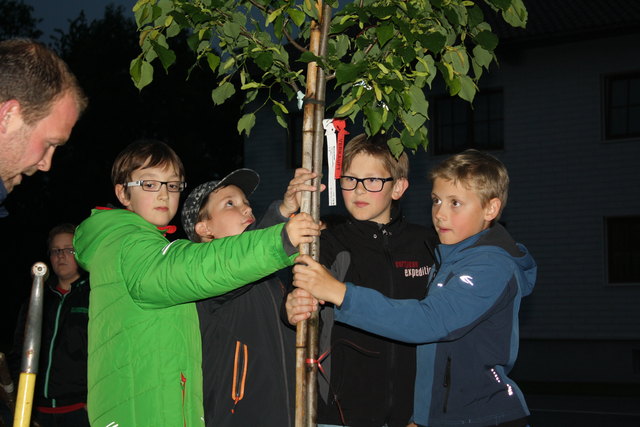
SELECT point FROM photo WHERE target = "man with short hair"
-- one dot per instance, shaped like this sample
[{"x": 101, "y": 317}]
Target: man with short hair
[{"x": 40, "y": 102}]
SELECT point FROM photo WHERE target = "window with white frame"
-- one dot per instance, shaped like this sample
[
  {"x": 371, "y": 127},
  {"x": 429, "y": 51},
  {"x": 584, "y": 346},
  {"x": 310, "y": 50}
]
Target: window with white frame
[
  {"x": 621, "y": 105},
  {"x": 623, "y": 250},
  {"x": 458, "y": 125}
]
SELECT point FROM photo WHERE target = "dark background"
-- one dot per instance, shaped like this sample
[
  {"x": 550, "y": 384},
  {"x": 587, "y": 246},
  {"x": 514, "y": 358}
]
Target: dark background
[{"x": 171, "y": 109}]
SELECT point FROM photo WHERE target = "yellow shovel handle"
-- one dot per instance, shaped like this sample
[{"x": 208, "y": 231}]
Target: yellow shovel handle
[{"x": 24, "y": 400}]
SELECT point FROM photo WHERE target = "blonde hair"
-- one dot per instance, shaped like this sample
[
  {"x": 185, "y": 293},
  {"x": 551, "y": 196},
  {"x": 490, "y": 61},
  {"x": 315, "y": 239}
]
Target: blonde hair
[
  {"x": 376, "y": 146},
  {"x": 477, "y": 171}
]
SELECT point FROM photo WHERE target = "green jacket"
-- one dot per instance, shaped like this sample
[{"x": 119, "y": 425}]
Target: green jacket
[{"x": 144, "y": 366}]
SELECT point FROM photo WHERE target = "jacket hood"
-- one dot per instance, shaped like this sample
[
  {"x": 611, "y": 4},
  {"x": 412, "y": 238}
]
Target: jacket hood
[
  {"x": 497, "y": 239},
  {"x": 91, "y": 233}
]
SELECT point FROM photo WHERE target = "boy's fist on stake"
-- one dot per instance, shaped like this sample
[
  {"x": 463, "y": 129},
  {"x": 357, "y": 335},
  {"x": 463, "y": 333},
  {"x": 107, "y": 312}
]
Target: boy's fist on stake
[{"x": 302, "y": 229}]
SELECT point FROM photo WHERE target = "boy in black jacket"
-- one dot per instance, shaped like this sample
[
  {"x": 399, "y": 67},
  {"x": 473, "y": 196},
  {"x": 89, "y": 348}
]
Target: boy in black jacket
[
  {"x": 371, "y": 379},
  {"x": 248, "y": 359}
]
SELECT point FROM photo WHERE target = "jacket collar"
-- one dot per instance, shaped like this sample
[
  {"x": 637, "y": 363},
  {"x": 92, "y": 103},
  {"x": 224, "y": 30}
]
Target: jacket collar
[
  {"x": 167, "y": 229},
  {"x": 3, "y": 195}
]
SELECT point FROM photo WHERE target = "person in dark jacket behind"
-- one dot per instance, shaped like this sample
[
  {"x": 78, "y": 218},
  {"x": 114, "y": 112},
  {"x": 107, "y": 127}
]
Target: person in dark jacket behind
[
  {"x": 371, "y": 378},
  {"x": 466, "y": 327},
  {"x": 61, "y": 388},
  {"x": 248, "y": 353}
]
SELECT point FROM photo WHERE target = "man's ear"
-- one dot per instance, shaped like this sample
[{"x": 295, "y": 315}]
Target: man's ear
[
  {"x": 9, "y": 112},
  {"x": 492, "y": 209},
  {"x": 400, "y": 185},
  {"x": 122, "y": 196}
]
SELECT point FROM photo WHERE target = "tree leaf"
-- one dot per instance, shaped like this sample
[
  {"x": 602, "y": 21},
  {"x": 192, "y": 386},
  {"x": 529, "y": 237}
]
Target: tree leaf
[
  {"x": 222, "y": 93},
  {"x": 308, "y": 57},
  {"x": 384, "y": 32},
  {"x": 374, "y": 118},
  {"x": 395, "y": 146},
  {"x": 487, "y": 40},
  {"x": 468, "y": 89},
  {"x": 434, "y": 41},
  {"x": 280, "y": 106},
  {"x": 252, "y": 85},
  {"x": 213, "y": 60},
  {"x": 349, "y": 72},
  {"x": 246, "y": 123},
  {"x": 141, "y": 72},
  {"x": 346, "y": 107},
  {"x": 167, "y": 56},
  {"x": 273, "y": 15},
  {"x": 516, "y": 14},
  {"x": 264, "y": 60},
  {"x": 458, "y": 59},
  {"x": 411, "y": 140},
  {"x": 419, "y": 102},
  {"x": 297, "y": 16},
  {"x": 482, "y": 57}
]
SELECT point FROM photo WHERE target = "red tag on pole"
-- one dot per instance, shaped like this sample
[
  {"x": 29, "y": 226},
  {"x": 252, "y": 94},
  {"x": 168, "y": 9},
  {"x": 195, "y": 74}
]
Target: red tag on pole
[{"x": 340, "y": 127}]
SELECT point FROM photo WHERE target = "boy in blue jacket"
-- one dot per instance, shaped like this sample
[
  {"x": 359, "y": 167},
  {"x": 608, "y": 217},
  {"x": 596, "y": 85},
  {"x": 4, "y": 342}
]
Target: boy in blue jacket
[{"x": 466, "y": 327}]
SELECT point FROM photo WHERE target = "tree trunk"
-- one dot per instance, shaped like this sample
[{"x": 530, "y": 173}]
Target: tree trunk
[{"x": 312, "y": 143}]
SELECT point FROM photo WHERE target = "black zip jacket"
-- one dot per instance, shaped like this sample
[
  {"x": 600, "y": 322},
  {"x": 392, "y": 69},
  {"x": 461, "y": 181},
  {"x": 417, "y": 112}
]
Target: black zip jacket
[
  {"x": 62, "y": 368},
  {"x": 371, "y": 378},
  {"x": 248, "y": 354}
]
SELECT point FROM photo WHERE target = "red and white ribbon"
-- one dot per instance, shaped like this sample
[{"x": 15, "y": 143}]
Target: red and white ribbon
[
  {"x": 335, "y": 148},
  {"x": 330, "y": 134}
]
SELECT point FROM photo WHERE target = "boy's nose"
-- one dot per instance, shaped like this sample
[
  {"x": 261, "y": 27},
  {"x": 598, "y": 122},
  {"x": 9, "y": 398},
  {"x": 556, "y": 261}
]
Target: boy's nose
[
  {"x": 163, "y": 193},
  {"x": 360, "y": 188}
]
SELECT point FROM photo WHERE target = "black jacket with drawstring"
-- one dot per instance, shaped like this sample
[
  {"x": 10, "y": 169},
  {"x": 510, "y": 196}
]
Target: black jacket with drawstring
[
  {"x": 248, "y": 353},
  {"x": 371, "y": 378},
  {"x": 62, "y": 367}
]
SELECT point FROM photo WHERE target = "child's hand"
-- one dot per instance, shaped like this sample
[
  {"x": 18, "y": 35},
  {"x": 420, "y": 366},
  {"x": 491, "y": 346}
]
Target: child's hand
[
  {"x": 301, "y": 229},
  {"x": 299, "y": 305},
  {"x": 291, "y": 199},
  {"x": 315, "y": 279}
]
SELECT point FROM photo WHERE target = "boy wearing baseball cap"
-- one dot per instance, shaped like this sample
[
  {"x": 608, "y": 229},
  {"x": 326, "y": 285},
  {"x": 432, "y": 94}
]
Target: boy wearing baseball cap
[{"x": 248, "y": 354}]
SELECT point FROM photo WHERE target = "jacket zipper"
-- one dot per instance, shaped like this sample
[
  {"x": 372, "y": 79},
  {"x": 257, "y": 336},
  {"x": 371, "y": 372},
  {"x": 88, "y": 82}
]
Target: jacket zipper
[
  {"x": 447, "y": 384},
  {"x": 183, "y": 386},
  {"x": 51, "y": 345},
  {"x": 392, "y": 347},
  {"x": 240, "y": 365}
]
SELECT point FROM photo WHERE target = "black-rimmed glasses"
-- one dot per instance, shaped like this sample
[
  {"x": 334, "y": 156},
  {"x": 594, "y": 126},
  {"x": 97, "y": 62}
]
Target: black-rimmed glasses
[
  {"x": 62, "y": 251},
  {"x": 372, "y": 185},
  {"x": 154, "y": 186}
]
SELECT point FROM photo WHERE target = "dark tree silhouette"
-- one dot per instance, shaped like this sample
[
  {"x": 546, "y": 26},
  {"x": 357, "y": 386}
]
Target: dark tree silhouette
[{"x": 16, "y": 20}]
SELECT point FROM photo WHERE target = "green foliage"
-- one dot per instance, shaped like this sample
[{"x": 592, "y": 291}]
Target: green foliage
[{"x": 382, "y": 55}]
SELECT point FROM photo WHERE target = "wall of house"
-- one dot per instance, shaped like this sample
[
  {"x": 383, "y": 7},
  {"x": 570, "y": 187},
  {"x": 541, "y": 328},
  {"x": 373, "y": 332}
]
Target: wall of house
[{"x": 564, "y": 181}]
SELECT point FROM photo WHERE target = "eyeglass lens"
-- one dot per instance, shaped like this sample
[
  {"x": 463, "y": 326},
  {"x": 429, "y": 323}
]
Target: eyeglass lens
[{"x": 62, "y": 251}]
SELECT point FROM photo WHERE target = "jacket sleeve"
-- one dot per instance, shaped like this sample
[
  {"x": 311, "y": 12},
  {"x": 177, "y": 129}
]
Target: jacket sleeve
[
  {"x": 452, "y": 308},
  {"x": 160, "y": 274},
  {"x": 271, "y": 217}
]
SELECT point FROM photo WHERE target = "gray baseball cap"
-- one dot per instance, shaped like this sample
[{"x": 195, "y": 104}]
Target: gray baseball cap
[{"x": 245, "y": 179}]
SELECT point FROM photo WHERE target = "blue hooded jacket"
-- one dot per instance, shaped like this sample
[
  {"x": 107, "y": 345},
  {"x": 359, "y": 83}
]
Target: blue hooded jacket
[{"x": 466, "y": 329}]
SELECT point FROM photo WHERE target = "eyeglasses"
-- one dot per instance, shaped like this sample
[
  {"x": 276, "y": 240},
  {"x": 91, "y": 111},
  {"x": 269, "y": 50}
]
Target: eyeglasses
[
  {"x": 62, "y": 252},
  {"x": 372, "y": 185},
  {"x": 154, "y": 186}
]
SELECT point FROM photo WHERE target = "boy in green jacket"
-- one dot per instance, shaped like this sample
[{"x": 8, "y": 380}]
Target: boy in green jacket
[{"x": 144, "y": 363}]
